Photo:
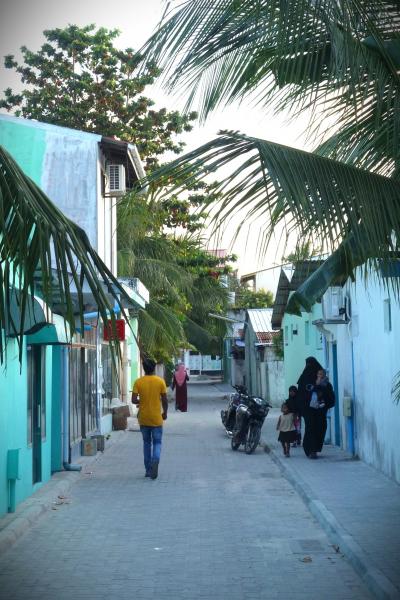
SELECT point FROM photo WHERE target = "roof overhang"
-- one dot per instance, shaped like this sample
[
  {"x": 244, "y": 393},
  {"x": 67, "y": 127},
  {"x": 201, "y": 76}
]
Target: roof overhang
[
  {"x": 40, "y": 324},
  {"x": 125, "y": 154},
  {"x": 137, "y": 292}
]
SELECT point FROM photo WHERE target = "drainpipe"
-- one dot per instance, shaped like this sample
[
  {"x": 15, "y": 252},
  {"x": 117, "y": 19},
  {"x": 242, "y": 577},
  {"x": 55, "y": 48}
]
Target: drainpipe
[{"x": 65, "y": 415}]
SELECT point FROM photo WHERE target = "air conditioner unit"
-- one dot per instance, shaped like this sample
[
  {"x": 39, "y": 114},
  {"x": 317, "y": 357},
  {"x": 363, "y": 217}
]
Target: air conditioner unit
[
  {"x": 334, "y": 304},
  {"x": 115, "y": 183}
]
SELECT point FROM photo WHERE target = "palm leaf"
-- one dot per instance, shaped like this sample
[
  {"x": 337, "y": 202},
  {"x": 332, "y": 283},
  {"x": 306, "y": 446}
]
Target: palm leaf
[
  {"x": 160, "y": 329},
  {"x": 200, "y": 338},
  {"x": 303, "y": 191},
  {"x": 337, "y": 268},
  {"x": 338, "y": 57},
  {"x": 43, "y": 252}
]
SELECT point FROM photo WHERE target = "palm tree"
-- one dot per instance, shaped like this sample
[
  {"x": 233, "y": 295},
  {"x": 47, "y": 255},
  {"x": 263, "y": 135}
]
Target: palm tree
[
  {"x": 339, "y": 60},
  {"x": 180, "y": 297},
  {"x": 42, "y": 252}
]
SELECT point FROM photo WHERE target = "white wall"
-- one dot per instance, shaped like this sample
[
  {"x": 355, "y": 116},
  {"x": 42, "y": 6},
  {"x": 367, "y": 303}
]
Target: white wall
[
  {"x": 376, "y": 362},
  {"x": 204, "y": 362},
  {"x": 69, "y": 176},
  {"x": 275, "y": 379},
  {"x": 375, "y": 354}
]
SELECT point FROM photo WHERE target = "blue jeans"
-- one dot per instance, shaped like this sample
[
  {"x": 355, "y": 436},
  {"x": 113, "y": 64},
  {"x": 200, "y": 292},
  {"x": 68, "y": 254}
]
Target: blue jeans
[{"x": 152, "y": 437}]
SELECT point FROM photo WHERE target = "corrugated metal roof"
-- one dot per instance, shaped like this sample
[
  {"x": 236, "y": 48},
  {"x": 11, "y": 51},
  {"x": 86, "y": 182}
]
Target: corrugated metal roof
[{"x": 260, "y": 319}]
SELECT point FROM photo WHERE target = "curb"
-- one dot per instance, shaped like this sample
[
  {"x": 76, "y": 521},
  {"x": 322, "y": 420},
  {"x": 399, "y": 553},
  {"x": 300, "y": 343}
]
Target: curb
[
  {"x": 14, "y": 525},
  {"x": 375, "y": 580},
  {"x": 33, "y": 508}
]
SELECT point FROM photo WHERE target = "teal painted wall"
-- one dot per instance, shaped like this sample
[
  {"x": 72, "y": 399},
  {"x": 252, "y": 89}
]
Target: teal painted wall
[
  {"x": 307, "y": 342},
  {"x": 26, "y": 145},
  {"x": 13, "y": 425}
]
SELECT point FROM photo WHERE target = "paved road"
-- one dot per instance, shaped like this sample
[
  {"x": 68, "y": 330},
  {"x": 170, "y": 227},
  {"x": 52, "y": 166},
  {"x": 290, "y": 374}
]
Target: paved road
[{"x": 216, "y": 524}]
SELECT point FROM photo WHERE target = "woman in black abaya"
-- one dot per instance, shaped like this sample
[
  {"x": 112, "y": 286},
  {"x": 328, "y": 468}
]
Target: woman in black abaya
[{"x": 312, "y": 423}]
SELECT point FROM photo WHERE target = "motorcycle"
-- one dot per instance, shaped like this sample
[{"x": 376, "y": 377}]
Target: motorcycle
[
  {"x": 250, "y": 417},
  {"x": 228, "y": 416}
]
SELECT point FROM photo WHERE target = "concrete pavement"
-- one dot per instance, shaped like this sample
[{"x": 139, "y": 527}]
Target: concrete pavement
[
  {"x": 358, "y": 507},
  {"x": 216, "y": 524}
]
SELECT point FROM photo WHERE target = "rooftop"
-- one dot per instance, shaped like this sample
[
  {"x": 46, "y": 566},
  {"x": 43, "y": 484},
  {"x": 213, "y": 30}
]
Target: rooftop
[{"x": 289, "y": 280}]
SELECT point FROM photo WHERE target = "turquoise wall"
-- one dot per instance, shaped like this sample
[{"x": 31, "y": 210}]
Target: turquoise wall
[
  {"x": 308, "y": 341},
  {"x": 13, "y": 425},
  {"x": 27, "y": 146}
]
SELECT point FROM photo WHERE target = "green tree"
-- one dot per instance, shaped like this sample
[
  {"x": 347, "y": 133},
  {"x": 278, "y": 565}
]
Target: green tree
[
  {"x": 277, "y": 344},
  {"x": 303, "y": 251},
  {"x": 182, "y": 277},
  {"x": 246, "y": 298},
  {"x": 342, "y": 60},
  {"x": 79, "y": 79}
]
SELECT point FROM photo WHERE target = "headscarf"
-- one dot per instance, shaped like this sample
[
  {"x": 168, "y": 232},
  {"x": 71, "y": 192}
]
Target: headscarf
[
  {"x": 308, "y": 377},
  {"x": 180, "y": 374},
  {"x": 309, "y": 374}
]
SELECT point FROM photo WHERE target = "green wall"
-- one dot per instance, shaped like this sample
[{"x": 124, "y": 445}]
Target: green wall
[
  {"x": 26, "y": 145},
  {"x": 13, "y": 425},
  {"x": 308, "y": 341}
]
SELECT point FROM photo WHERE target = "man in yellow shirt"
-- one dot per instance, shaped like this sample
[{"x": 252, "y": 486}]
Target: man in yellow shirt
[{"x": 150, "y": 392}]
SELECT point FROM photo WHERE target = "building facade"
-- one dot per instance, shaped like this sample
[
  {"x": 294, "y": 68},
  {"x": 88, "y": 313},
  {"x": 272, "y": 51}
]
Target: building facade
[
  {"x": 361, "y": 324},
  {"x": 62, "y": 391}
]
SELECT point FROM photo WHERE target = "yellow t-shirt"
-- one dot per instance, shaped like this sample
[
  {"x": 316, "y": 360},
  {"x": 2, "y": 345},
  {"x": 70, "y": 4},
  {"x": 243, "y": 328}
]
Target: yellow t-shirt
[{"x": 150, "y": 388}]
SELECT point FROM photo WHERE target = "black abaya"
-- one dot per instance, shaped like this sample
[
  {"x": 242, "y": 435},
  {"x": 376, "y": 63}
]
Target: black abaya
[{"x": 314, "y": 423}]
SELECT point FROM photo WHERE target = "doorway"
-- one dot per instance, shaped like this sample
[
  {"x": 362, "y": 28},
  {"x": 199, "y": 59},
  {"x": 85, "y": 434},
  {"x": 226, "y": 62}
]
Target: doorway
[{"x": 36, "y": 357}]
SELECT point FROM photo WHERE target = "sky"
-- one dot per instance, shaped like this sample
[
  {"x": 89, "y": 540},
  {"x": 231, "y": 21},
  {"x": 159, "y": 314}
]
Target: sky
[{"x": 22, "y": 23}]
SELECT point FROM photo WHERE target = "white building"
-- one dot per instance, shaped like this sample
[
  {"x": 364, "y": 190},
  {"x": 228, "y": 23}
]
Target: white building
[{"x": 362, "y": 327}]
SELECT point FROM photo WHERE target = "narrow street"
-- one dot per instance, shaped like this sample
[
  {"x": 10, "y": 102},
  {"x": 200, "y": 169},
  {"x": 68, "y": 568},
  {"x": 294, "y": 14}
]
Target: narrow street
[{"x": 216, "y": 524}]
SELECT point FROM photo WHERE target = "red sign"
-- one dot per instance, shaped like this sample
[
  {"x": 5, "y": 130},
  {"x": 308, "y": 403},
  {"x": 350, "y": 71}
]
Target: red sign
[{"x": 118, "y": 333}]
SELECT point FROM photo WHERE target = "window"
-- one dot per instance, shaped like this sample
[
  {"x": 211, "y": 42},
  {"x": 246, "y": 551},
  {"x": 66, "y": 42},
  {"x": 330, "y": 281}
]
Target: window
[
  {"x": 387, "y": 316},
  {"x": 110, "y": 383},
  {"x": 307, "y": 333},
  {"x": 75, "y": 396}
]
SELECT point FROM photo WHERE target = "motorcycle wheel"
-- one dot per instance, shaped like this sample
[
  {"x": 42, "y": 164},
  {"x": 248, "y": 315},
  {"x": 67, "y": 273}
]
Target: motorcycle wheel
[
  {"x": 223, "y": 417},
  {"x": 252, "y": 438},
  {"x": 235, "y": 442}
]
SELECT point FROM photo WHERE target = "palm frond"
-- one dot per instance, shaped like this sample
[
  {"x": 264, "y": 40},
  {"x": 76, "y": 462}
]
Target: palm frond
[
  {"x": 341, "y": 58},
  {"x": 338, "y": 267},
  {"x": 200, "y": 338},
  {"x": 160, "y": 328},
  {"x": 300, "y": 190},
  {"x": 42, "y": 252}
]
